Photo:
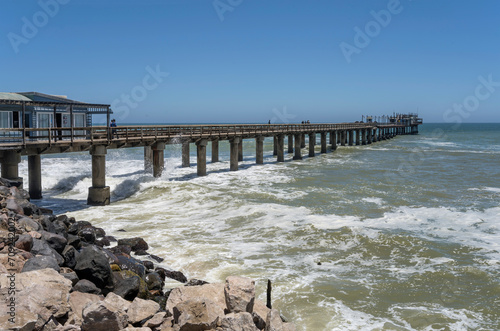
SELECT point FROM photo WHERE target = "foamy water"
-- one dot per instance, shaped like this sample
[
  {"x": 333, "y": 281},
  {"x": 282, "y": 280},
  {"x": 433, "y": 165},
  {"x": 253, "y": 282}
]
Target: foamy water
[{"x": 399, "y": 235}]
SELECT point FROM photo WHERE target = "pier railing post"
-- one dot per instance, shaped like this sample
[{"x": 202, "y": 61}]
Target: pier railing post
[
  {"x": 233, "y": 157},
  {"x": 99, "y": 193},
  {"x": 259, "y": 150},
  {"x": 35, "y": 176},
  {"x": 201, "y": 153}
]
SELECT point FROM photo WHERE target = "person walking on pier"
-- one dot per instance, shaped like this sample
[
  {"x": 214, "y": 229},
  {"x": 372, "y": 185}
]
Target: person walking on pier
[{"x": 113, "y": 129}]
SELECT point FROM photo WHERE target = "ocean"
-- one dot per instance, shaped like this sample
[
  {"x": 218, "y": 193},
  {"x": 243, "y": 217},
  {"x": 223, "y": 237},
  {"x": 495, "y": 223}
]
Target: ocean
[{"x": 402, "y": 234}]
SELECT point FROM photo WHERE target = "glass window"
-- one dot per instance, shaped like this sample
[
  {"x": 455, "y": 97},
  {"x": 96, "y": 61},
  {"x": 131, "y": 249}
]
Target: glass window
[{"x": 5, "y": 119}]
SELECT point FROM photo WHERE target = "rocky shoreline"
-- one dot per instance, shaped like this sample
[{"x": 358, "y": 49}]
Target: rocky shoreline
[{"x": 60, "y": 274}]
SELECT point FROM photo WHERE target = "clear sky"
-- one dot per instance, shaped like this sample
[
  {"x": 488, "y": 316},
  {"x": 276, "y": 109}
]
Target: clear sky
[{"x": 249, "y": 61}]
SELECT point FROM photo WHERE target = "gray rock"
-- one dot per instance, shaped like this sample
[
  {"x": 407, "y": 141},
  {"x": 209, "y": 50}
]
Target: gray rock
[
  {"x": 92, "y": 264},
  {"x": 198, "y": 314},
  {"x": 40, "y": 247},
  {"x": 238, "y": 322},
  {"x": 102, "y": 316},
  {"x": 154, "y": 281},
  {"x": 134, "y": 243},
  {"x": 273, "y": 321},
  {"x": 55, "y": 241},
  {"x": 117, "y": 301},
  {"x": 69, "y": 274},
  {"x": 86, "y": 286},
  {"x": 142, "y": 309},
  {"x": 69, "y": 255},
  {"x": 41, "y": 262},
  {"x": 87, "y": 235},
  {"x": 79, "y": 301},
  {"x": 240, "y": 294},
  {"x": 28, "y": 224},
  {"x": 127, "y": 288},
  {"x": 24, "y": 242}
]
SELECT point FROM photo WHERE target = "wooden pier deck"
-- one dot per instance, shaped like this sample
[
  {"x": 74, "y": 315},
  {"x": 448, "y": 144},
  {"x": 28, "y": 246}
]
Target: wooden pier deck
[{"x": 35, "y": 142}]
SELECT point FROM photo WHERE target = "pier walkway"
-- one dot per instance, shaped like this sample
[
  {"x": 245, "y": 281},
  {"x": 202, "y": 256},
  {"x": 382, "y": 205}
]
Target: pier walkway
[{"x": 35, "y": 142}]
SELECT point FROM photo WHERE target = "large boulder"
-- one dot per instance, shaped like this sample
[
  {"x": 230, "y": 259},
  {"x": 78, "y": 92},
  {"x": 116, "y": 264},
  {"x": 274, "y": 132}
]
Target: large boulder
[
  {"x": 117, "y": 301},
  {"x": 239, "y": 294},
  {"x": 197, "y": 314},
  {"x": 44, "y": 292},
  {"x": 28, "y": 224},
  {"x": 92, "y": 264},
  {"x": 41, "y": 262},
  {"x": 183, "y": 293},
  {"x": 55, "y": 241},
  {"x": 24, "y": 242},
  {"x": 154, "y": 281},
  {"x": 69, "y": 255},
  {"x": 129, "y": 263},
  {"x": 238, "y": 322},
  {"x": 102, "y": 316},
  {"x": 78, "y": 302},
  {"x": 129, "y": 285},
  {"x": 135, "y": 244},
  {"x": 156, "y": 320},
  {"x": 86, "y": 286},
  {"x": 259, "y": 314},
  {"x": 274, "y": 321},
  {"x": 141, "y": 309},
  {"x": 41, "y": 247}
]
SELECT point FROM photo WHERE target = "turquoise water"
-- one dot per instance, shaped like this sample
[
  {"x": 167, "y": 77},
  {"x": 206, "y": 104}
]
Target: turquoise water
[{"x": 398, "y": 235}]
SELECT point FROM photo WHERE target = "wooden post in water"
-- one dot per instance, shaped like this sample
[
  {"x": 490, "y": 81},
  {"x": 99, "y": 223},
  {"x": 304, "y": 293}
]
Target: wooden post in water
[
  {"x": 303, "y": 141},
  {"x": 323, "y": 142},
  {"x": 269, "y": 290},
  {"x": 351, "y": 137},
  {"x": 290, "y": 143},
  {"x": 298, "y": 152},
  {"x": 280, "y": 140},
  {"x": 35, "y": 176},
  {"x": 343, "y": 139},
  {"x": 215, "y": 150},
  {"x": 259, "y": 150},
  {"x": 233, "y": 157},
  {"x": 148, "y": 159},
  {"x": 99, "y": 193},
  {"x": 275, "y": 145},
  {"x": 158, "y": 159},
  {"x": 185, "y": 154},
  {"x": 333, "y": 139},
  {"x": 240, "y": 150},
  {"x": 312, "y": 137}
]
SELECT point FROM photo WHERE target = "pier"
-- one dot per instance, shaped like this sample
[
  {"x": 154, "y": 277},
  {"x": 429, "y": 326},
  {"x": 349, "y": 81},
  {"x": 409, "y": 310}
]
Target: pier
[{"x": 35, "y": 142}]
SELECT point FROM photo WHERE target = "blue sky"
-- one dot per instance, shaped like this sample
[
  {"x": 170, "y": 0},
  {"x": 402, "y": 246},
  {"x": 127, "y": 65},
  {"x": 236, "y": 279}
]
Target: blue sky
[{"x": 249, "y": 61}]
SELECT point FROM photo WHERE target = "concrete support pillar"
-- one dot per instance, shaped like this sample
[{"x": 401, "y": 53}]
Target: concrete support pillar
[
  {"x": 158, "y": 159},
  {"x": 233, "y": 151},
  {"x": 10, "y": 166},
  {"x": 343, "y": 134},
  {"x": 201, "y": 157},
  {"x": 259, "y": 150},
  {"x": 351, "y": 137},
  {"x": 99, "y": 193},
  {"x": 312, "y": 138},
  {"x": 148, "y": 159},
  {"x": 185, "y": 154},
  {"x": 280, "y": 140},
  {"x": 323, "y": 142},
  {"x": 290, "y": 143},
  {"x": 215, "y": 151},
  {"x": 35, "y": 176},
  {"x": 303, "y": 141},
  {"x": 275, "y": 146},
  {"x": 240, "y": 150},
  {"x": 333, "y": 140},
  {"x": 363, "y": 136},
  {"x": 370, "y": 131},
  {"x": 374, "y": 136},
  {"x": 358, "y": 137},
  {"x": 298, "y": 142}
]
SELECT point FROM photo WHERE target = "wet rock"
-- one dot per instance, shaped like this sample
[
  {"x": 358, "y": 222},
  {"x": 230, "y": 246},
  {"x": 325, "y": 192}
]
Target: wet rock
[
  {"x": 99, "y": 232},
  {"x": 161, "y": 300},
  {"x": 102, "y": 316},
  {"x": 92, "y": 264},
  {"x": 78, "y": 226},
  {"x": 240, "y": 294},
  {"x": 135, "y": 244},
  {"x": 60, "y": 228},
  {"x": 195, "y": 282},
  {"x": 69, "y": 274},
  {"x": 74, "y": 241},
  {"x": 121, "y": 249},
  {"x": 41, "y": 262},
  {"x": 141, "y": 252},
  {"x": 154, "y": 281},
  {"x": 24, "y": 242},
  {"x": 141, "y": 309},
  {"x": 55, "y": 241},
  {"x": 112, "y": 259},
  {"x": 238, "y": 322},
  {"x": 156, "y": 258},
  {"x": 69, "y": 255},
  {"x": 44, "y": 292},
  {"x": 102, "y": 242},
  {"x": 47, "y": 224},
  {"x": 86, "y": 286},
  {"x": 148, "y": 265},
  {"x": 87, "y": 235},
  {"x": 128, "y": 285},
  {"x": 41, "y": 247},
  {"x": 110, "y": 238},
  {"x": 129, "y": 263},
  {"x": 197, "y": 314}
]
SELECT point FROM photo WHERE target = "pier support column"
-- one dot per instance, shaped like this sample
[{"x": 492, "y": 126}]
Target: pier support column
[
  {"x": 158, "y": 159},
  {"x": 35, "y": 176},
  {"x": 303, "y": 141},
  {"x": 333, "y": 140},
  {"x": 99, "y": 193},
  {"x": 215, "y": 150},
  {"x": 358, "y": 137},
  {"x": 343, "y": 134},
  {"x": 298, "y": 152},
  {"x": 351, "y": 137},
  {"x": 233, "y": 153},
  {"x": 374, "y": 136},
  {"x": 201, "y": 157},
  {"x": 10, "y": 166},
  {"x": 323, "y": 142},
  {"x": 280, "y": 139},
  {"x": 148, "y": 159},
  {"x": 290, "y": 143},
  {"x": 259, "y": 150},
  {"x": 312, "y": 138},
  {"x": 185, "y": 154},
  {"x": 370, "y": 132},
  {"x": 275, "y": 146},
  {"x": 240, "y": 150},
  {"x": 363, "y": 136}
]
